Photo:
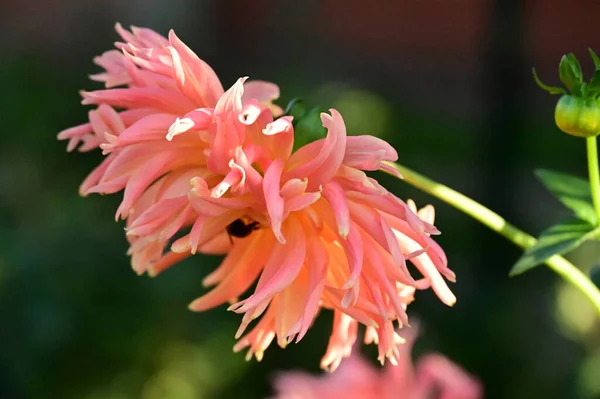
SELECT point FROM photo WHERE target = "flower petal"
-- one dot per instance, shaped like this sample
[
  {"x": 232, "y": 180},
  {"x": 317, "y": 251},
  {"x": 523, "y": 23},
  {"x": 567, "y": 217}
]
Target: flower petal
[
  {"x": 194, "y": 77},
  {"x": 320, "y": 160},
  {"x": 237, "y": 272},
  {"x": 336, "y": 197},
  {"x": 281, "y": 269},
  {"x": 143, "y": 97},
  {"x": 274, "y": 201}
]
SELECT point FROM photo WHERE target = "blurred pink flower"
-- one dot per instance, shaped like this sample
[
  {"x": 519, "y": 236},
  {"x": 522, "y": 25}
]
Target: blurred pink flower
[
  {"x": 434, "y": 377},
  {"x": 194, "y": 161}
]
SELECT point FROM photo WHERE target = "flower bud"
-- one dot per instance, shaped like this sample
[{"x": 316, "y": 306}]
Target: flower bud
[{"x": 578, "y": 116}]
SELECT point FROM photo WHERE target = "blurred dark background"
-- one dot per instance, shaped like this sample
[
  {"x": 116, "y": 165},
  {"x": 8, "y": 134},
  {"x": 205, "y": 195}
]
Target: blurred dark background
[{"x": 448, "y": 83}]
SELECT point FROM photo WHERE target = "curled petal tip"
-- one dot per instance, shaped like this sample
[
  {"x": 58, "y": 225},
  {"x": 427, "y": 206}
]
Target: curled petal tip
[
  {"x": 389, "y": 167},
  {"x": 431, "y": 229},
  {"x": 180, "y": 248},
  {"x": 450, "y": 300},
  {"x": 240, "y": 331},
  {"x": 181, "y": 125},
  {"x": 412, "y": 205},
  {"x": 111, "y": 138},
  {"x": 349, "y": 284},
  {"x": 451, "y": 276},
  {"x": 84, "y": 94},
  {"x": 172, "y": 36}
]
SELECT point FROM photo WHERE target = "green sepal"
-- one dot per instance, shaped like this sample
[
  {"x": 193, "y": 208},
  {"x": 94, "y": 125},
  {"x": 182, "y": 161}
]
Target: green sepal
[
  {"x": 594, "y": 87},
  {"x": 557, "y": 240},
  {"x": 295, "y": 108},
  {"x": 570, "y": 73},
  {"x": 549, "y": 89},
  {"x": 574, "y": 193},
  {"x": 595, "y": 59}
]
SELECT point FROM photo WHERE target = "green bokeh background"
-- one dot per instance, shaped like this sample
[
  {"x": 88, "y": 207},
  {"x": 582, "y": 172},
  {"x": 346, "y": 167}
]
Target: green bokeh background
[{"x": 76, "y": 322}]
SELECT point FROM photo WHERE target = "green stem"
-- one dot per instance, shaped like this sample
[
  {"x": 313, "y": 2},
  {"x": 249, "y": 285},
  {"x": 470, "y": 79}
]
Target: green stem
[
  {"x": 560, "y": 265},
  {"x": 592, "y": 156}
]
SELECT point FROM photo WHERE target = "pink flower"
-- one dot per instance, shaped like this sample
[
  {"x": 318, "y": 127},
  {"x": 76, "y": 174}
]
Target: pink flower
[
  {"x": 195, "y": 161},
  {"x": 434, "y": 377}
]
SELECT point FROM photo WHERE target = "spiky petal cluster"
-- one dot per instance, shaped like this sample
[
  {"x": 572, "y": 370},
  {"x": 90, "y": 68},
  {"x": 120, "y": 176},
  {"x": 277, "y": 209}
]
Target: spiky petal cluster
[
  {"x": 434, "y": 377},
  {"x": 192, "y": 159}
]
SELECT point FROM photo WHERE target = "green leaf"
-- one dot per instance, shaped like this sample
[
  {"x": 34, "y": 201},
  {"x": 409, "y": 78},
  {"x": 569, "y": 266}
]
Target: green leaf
[
  {"x": 570, "y": 74},
  {"x": 595, "y": 59},
  {"x": 557, "y": 240},
  {"x": 573, "y": 192},
  {"x": 308, "y": 128},
  {"x": 549, "y": 89},
  {"x": 594, "y": 88}
]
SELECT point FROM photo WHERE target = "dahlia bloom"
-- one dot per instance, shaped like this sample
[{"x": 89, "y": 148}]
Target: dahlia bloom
[
  {"x": 434, "y": 377},
  {"x": 194, "y": 160}
]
